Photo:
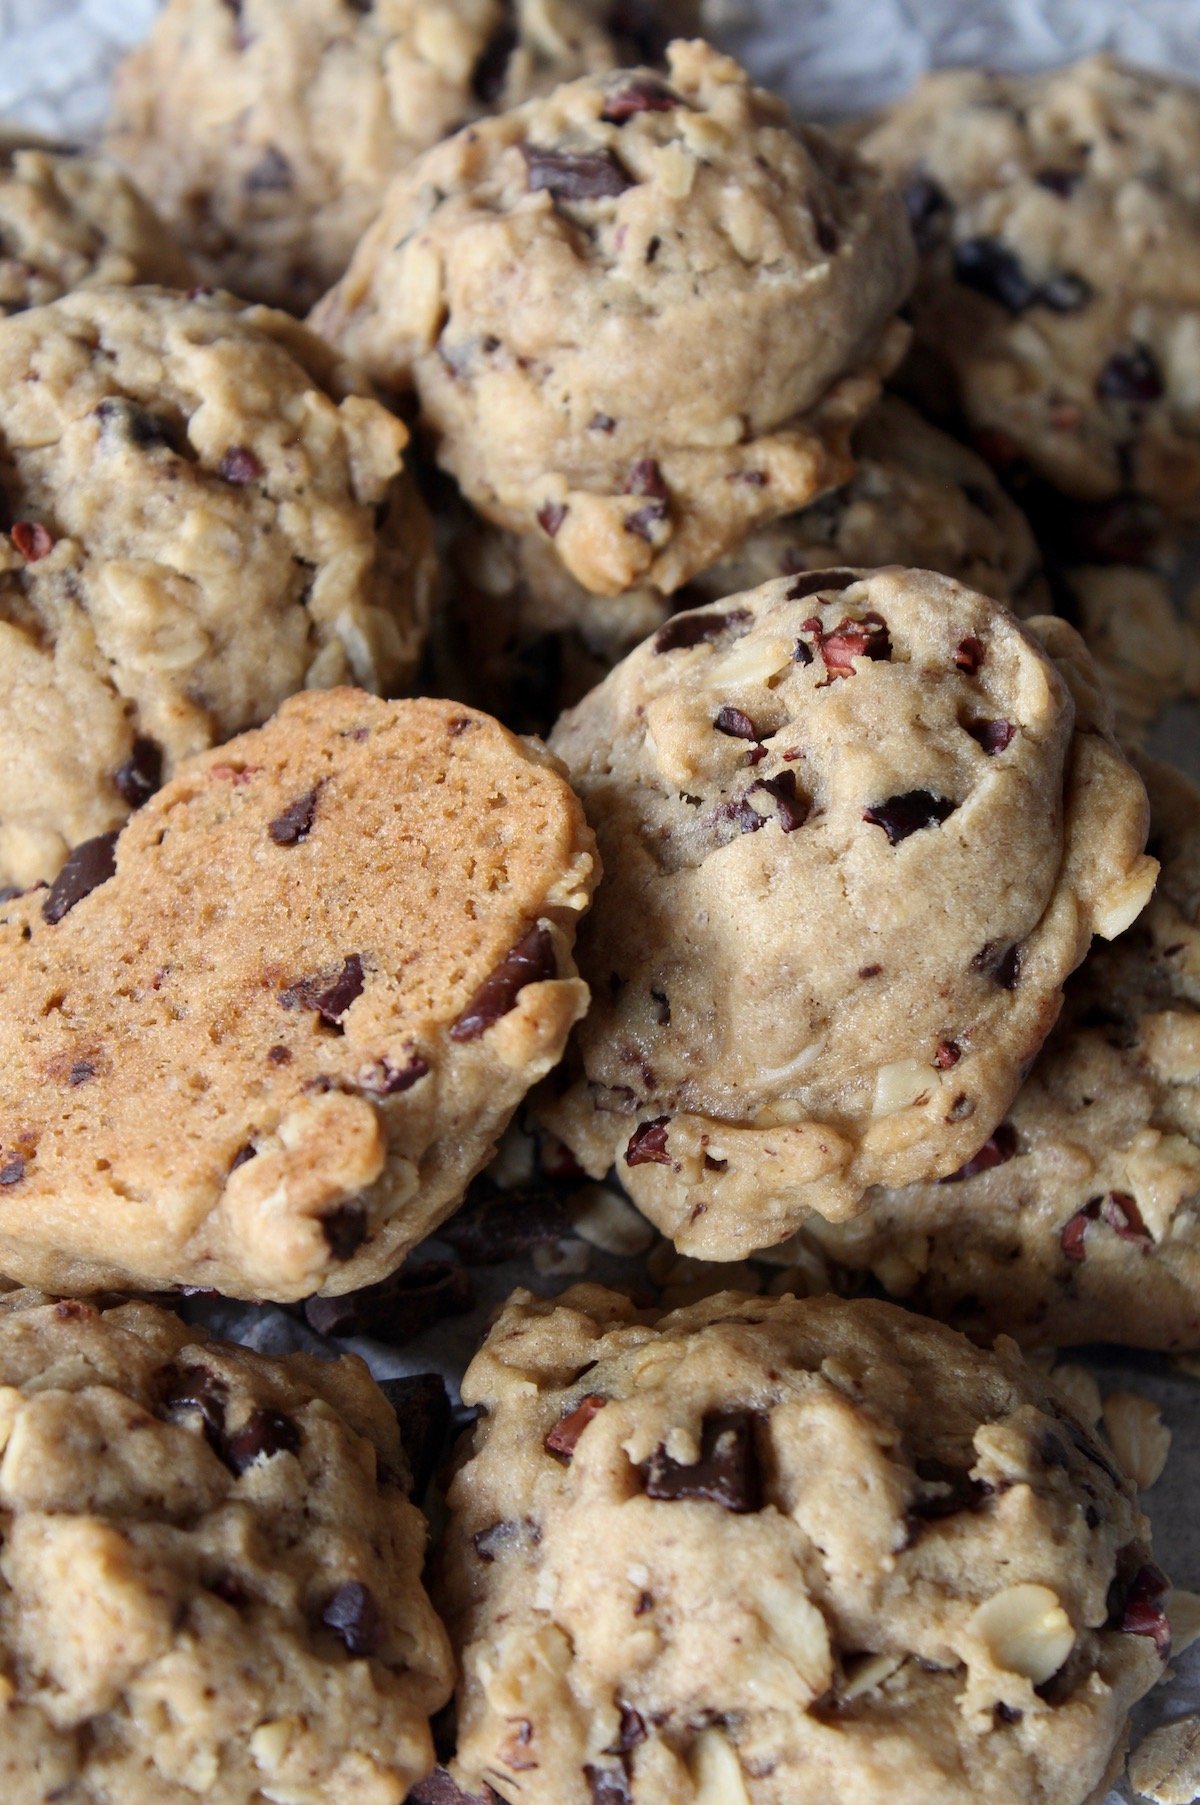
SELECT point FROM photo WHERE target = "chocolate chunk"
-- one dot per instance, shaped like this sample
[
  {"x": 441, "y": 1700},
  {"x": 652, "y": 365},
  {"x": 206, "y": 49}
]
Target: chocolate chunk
[
  {"x": 733, "y": 722},
  {"x": 791, "y": 805},
  {"x": 646, "y": 479},
  {"x": 264, "y": 1434},
  {"x": 648, "y": 1143},
  {"x": 272, "y": 174},
  {"x": 189, "y": 1391},
  {"x": 491, "y": 65},
  {"x": 726, "y": 1473},
  {"x": 1002, "y": 964},
  {"x": 329, "y": 1000},
  {"x": 946, "y": 1490},
  {"x": 993, "y": 736},
  {"x": 574, "y": 175},
  {"x": 735, "y": 818},
  {"x": 406, "y": 1304},
  {"x": 969, "y": 654},
  {"x": 1132, "y": 374},
  {"x": 551, "y": 517},
  {"x": 345, "y": 1229},
  {"x": 438, "y": 1788},
  {"x": 1066, "y": 293},
  {"x": 567, "y": 1431},
  {"x": 384, "y": 1079},
  {"x": 608, "y": 1785},
  {"x": 924, "y": 200},
  {"x": 991, "y": 269},
  {"x": 422, "y": 1407},
  {"x": 295, "y": 822},
  {"x": 908, "y": 813},
  {"x": 997, "y": 1150},
  {"x": 141, "y": 774},
  {"x": 489, "y": 1229},
  {"x": 801, "y": 653},
  {"x": 641, "y": 95},
  {"x": 531, "y": 961},
  {"x": 499, "y": 1538},
  {"x": 12, "y": 1169},
  {"x": 818, "y": 582},
  {"x": 355, "y": 1618},
  {"x": 90, "y": 865},
  {"x": 685, "y": 630},
  {"x": 851, "y": 639},
  {"x": 1121, "y": 1213},
  {"x": 32, "y": 540},
  {"x": 240, "y": 466}
]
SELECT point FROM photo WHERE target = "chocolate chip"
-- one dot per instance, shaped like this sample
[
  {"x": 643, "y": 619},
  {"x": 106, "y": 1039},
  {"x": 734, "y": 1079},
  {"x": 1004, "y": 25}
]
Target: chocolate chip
[
  {"x": 188, "y": 1391},
  {"x": 993, "y": 736},
  {"x": 735, "y": 723},
  {"x": 1121, "y": 1213},
  {"x": 851, "y": 639},
  {"x": 608, "y": 1785},
  {"x": 648, "y": 1142},
  {"x": 404, "y": 1305},
  {"x": 646, "y": 478},
  {"x": 329, "y": 1000},
  {"x": 1131, "y": 375},
  {"x": 239, "y": 466},
  {"x": 991, "y": 269},
  {"x": 924, "y": 200},
  {"x": 12, "y": 1169},
  {"x": 551, "y": 517},
  {"x": 726, "y": 1473},
  {"x": 265, "y": 1434},
  {"x": 969, "y": 654},
  {"x": 574, "y": 175},
  {"x": 641, "y": 95},
  {"x": 566, "y": 1432},
  {"x": 946, "y": 1490},
  {"x": 32, "y": 540},
  {"x": 422, "y": 1407},
  {"x": 997, "y": 1150},
  {"x": 801, "y": 653},
  {"x": 1062, "y": 182},
  {"x": 491, "y": 65},
  {"x": 355, "y": 1618},
  {"x": 345, "y": 1230},
  {"x": 90, "y": 865},
  {"x": 1066, "y": 293},
  {"x": 141, "y": 774},
  {"x": 792, "y": 807},
  {"x": 531, "y": 961},
  {"x": 272, "y": 174},
  {"x": 685, "y": 630},
  {"x": 384, "y": 1079},
  {"x": 500, "y": 1538},
  {"x": 295, "y": 823},
  {"x": 909, "y": 813},
  {"x": 1007, "y": 1714},
  {"x": 505, "y": 1226},
  {"x": 816, "y": 582}
]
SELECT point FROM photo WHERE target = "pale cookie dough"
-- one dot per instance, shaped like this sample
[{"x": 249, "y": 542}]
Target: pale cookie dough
[
  {"x": 69, "y": 219},
  {"x": 857, "y": 829},
  {"x": 206, "y": 512},
  {"x": 268, "y": 1054},
  {"x": 1079, "y": 1218},
  {"x": 267, "y": 131},
  {"x": 779, "y": 1552},
  {"x": 1058, "y": 217},
  {"x": 641, "y": 315},
  {"x": 1147, "y": 649},
  {"x": 210, "y": 1576}
]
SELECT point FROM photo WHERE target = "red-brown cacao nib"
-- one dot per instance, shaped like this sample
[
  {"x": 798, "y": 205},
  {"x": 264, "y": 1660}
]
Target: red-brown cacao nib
[
  {"x": 993, "y": 736},
  {"x": 422, "y": 1407},
  {"x": 648, "y": 1144},
  {"x": 792, "y": 807},
  {"x": 505, "y": 1225},
  {"x": 685, "y": 630},
  {"x": 294, "y": 823},
  {"x": 851, "y": 639},
  {"x": 948, "y": 1053},
  {"x": 574, "y": 175},
  {"x": 404, "y": 1305},
  {"x": 906, "y": 814},
  {"x": 355, "y": 1619},
  {"x": 32, "y": 540},
  {"x": 566, "y": 1432},
  {"x": 1121, "y": 1213},
  {"x": 1132, "y": 374},
  {"x": 141, "y": 774},
  {"x": 969, "y": 654},
  {"x": 735, "y": 723},
  {"x": 239, "y": 466},
  {"x": 726, "y": 1473},
  {"x": 646, "y": 478},
  {"x": 329, "y": 999},
  {"x": 551, "y": 517},
  {"x": 266, "y": 1433},
  {"x": 91, "y": 864},
  {"x": 817, "y": 582},
  {"x": 997, "y": 1150},
  {"x": 1138, "y": 1609},
  {"x": 641, "y": 95},
  {"x": 531, "y": 961}
]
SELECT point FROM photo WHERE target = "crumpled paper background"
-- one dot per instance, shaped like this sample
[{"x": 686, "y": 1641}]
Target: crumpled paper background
[{"x": 829, "y": 57}]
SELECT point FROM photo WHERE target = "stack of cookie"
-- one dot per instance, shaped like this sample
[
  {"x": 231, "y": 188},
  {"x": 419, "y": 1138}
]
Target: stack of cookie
[{"x": 788, "y": 933}]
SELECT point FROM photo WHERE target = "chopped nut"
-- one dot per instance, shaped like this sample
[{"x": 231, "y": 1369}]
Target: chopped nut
[
  {"x": 716, "y": 1771},
  {"x": 868, "y": 1675},
  {"x": 1166, "y": 1766},
  {"x": 904, "y": 1082},
  {"x": 269, "y": 1743},
  {"x": 607, "y": 1221},
  {"x": 561, "y": 1259},
  {"x": 751, "y": 660},
  {"x": 1137, "y": 1435},
  {"x": 1126, "y": 900},
  {"x": 1081, "y": 1391},
  {"x": 1025, "y": 1630}
]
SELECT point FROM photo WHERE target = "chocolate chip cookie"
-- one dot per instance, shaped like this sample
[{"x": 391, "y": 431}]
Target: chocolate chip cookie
[
  {"x": 207, "y": 511},
  {"x": 1059, "y": 224},
  {"x": 267, "y": 131},
  {"x": 263, "y": 1040},
  {"x": 210, "y": 1576},
  {"x": 775, "y": 1552},
  {"x": 558, "y": 283},
  {"x": 857, "y": 829},
  {"x": 1077, "y": 1219},
  {"x": 69, "y": 219}
]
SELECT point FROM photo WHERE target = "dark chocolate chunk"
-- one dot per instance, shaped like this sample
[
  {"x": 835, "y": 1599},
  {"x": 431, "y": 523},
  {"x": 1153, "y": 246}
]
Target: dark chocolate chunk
[
  {"x": 574, "y": 175},
  {"x": 295, "y": 822},
  {"x": 685, "y": 630},
  {"x": 646, "y": 478},
  {"x": 531, "y": 961},
  {"x": 491, "y": 1228},
  {"x": 993, "y": 736},
  {"x": 189, "y": 1391},
  {"x": 791, "y": 805},
  {"x": 90, "y": 865},
  {"x": 567, "y": 1431},
  {"x": 141, "y": 774},
  {"x": 1132, "y": 374},
  {"x": 640, "y": 95},
  {"x": 438, "y": 1788},
  {"x": 1002, "y": 964},
  {"x": 997, "y": 1150},
  {"x": 264, "y": 1434},
  {"x": 648, "y": 1143},
  {"x": 732, "y": 721},
  {"x": 491, "y": 65},
  {"x": 909, "y": 813},
  {"x": 726, "y": 1473},
  {"x": 422, "y": 1407},
  {"x": 403, "y": 1305},
  {"x": 355, "y": 1618},
  {"x": 991, "y": 269},
  {"x": 345, "y": 1229},
  {"x": 818, "y": 582},
  {"x": 330, "y": 1000}
]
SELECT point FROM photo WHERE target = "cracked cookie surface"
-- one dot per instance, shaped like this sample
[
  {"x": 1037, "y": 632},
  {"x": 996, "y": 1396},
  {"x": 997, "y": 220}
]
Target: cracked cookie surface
[
  {"x": 208, "y": 512},
  {"x": 210, "y": 1576},
  {"x": 771, "y": 1552},
  {"x": 263, "y": 1042},
  {"x": 857, "y": 829},
  {"x": 557, "y": 285}
]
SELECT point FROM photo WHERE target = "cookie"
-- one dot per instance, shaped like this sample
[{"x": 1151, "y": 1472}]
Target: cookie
[
  {"x": 557, "y": 283},
  {"x": 263, "y": 1041},
  {"x": 1147, "y": 649},
  {"x": 69, "y": 219},
  {"x": 210, "y": 1576},
  {"x": 267, "y": 131},
  {"x": 1059, "y": 226},
  {"x": 857, "y": 829},
  {"x": 1079, "y": 1218},
  {"x": 775, "y": 1552},
  {"x": 207, "y": 512}
]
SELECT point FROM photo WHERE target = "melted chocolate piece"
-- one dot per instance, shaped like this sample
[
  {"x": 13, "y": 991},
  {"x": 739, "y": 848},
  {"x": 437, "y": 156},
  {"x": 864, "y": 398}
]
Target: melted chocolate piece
[
  {"x": 141, "y": 774},
  {"x": 726, "y": 1473},
  {"x": 574, "y": 175},
  {"x": 422, "y": 1407},
  {"x": 901, "y": 816},
  {"x": 489, "y": 1229},
  {"x": 531, "y": 961},
  {"x": 295, "y": 822},
  {"x": 329, "y": 1000},
  {"x": 355, "y": 1619},
  {"x": 91, "y": 864},
  {"x": 648, "y": 1142},
  {"x": 266, "y": 1433},
  {"x": 685, "y": 630}
]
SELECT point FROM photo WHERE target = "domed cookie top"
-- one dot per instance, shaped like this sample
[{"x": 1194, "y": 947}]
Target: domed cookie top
[
  {"x": 210, "y": 1577},
  {"x": 640, "y": 314},
  {"x": 1058, "y": 217},
  {"x": 267, "y": 132},
  {"x": 856, "y": 829},
  {"x": 206, "y": 513},
  {"x": 268, "y": 1053},
  {"x": 774, "y": 1552}
]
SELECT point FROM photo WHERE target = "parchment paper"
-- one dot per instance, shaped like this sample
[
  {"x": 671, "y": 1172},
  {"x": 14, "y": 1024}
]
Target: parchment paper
[{"x": 828, "y": 57}]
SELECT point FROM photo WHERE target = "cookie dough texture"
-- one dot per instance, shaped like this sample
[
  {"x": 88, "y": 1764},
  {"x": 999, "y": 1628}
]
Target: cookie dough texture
[
  {"x": 1079, "y": 1219},
  {"x": 857, "y": 829},
  {"x": 775, "y": 1552},
  {"x": 640, "y": 316},
  {"x": 69, "y": 219},
  {"x": 208, "y": 512},
  {"x": 1059, "y": 223},
  {"x": 268, "y": 1054},
  {"x": 184, "y": 1525},
  {"x": 267, "y": 132}
]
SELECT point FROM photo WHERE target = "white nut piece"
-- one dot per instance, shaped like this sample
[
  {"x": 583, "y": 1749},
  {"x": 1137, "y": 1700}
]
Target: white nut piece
[
  {"x": 1081, "y": 1391},
  {"x": 1137, "y": 1435},
  {"x": 608, "y": 1221},
  {"x": 716, "y": 1771},
  {"x": 904, "y": 1082},
  {"x": 1024, "y": 1630},
  {"x": 561, "y": 1259},
  {"x": 1166, "y": 1766},
  {"x": 868, "y": 1675}
]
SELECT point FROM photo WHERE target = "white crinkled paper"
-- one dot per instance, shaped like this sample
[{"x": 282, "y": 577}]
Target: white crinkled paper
[{"x": 829, "y": 57}]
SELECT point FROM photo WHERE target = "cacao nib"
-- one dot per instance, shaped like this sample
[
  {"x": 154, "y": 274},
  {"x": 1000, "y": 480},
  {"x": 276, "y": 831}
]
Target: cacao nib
[
  {"x": 732, "y": 721},
  {"x": 817, "y": 582},
  {"x": 643, "y": 521},
  {"x": 195, "y": 1391},
  {"x": 632, "y": 1729},
  {"x": 851, "y": 639},
  {"x": 240, "y": 466},
  {"x": 32, "y": 540},
  {"x": 574, "y": 175},
  {"x": 405, "y": 1304},
  {"x": 422, "y": 1407},
  {"x": 384, "y": 1079},
  {"x": 498, "y": 1538},
  {"x": 1142, "y": 1614},
  {"x": 791, "y": 805},
  {"x": 997, "y": 1150},
  {"x": 491, "y": 65},
  {"x": 726, "y": 1473},
  {"x": 490, "y": 1229},
  {"x": 685, "y": 630},
  {"x": 12, "y": 1169},
  {"x": 295, "y": 822},
  {"x": 245, "y": 1153},
  {"x": 90, "y": 865},
  {"x": 906, "y": 814},
  {"x": 141, "y": 774},
  {"x": 567, "y": 1431},
  {"x": 329, "y": 1000},
  {"x": 355, "y": 1619},
  {"x": 993, "y": 736},
  {"x": 265, "y": 1434},
  {"x": 641, "y": 95},
  {"x": 531, "y": 961},
  {"x": 646, "y": 479},
  {"x": 648, "y": 1144},
  {"x": 948, "y": 1054},
  {"x": 991, "y": 269},
  {"x": 124, "y": 421},
  {"x": 1121, "y": 1213},
  {"x": 438, "y": 1788},
  {"x": 345, "y": 1229},
  {"x": 969, "y": 654},
  {"x": 551, "y": 517},
  {"x": 740, "y": 816},
  {"x": 1131, "y": 374}
]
